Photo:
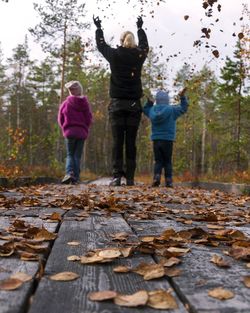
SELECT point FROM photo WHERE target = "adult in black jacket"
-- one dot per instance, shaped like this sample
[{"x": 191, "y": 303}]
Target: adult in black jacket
[{"x": 125, "y": 92}]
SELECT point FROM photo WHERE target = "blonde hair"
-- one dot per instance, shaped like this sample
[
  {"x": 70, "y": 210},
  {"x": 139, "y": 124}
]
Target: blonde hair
[{"x": 128, "y": 40}]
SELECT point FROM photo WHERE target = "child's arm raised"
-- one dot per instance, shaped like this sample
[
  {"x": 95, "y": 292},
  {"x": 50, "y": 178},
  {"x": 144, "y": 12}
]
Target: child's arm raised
[
  {"x": 148, "y": 105},
  {"x": 183, "y": 106}
]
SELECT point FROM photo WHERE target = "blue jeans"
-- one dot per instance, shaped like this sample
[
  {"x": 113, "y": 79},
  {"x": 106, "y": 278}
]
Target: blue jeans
[
  {"x": 163, "y": 158},
  {"x": 74, "y": 148}
]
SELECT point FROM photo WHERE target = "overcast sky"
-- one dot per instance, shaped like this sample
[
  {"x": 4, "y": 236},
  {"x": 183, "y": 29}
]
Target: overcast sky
[{"x": 168, "y": 32}]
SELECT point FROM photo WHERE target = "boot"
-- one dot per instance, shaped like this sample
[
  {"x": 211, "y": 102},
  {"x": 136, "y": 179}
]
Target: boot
[
  {"x": 116, "y": 181},
  {"x": 168, "y": 182},
  {"x": 156, "y": 181},
  {"x": 130, "y": 182}
]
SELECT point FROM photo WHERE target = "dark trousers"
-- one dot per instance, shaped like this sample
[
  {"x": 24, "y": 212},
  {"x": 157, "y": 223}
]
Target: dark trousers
[
  {"x": 163, "y": 150},
  {"x": 125, "y": 116}
]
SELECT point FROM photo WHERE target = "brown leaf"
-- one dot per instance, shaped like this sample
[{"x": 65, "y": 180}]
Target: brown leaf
[
  {"x": 91, "y": 259},
  {"x": 149, "y": 271},
  {"x": 240, "y": 36},
  {"x": 219, "y": 261},
  {"x": 172, "y": 272},
  {"x": 127, "y": 251},
  {"x": 26, "y": 256},
  {"x": 111, "y": 253},
  {"x": 161, "y": 299},
  {"x": 102, "y": 295},
  {"x": 247, "y": 281},
  {"x": 134, "y": 300},
  {"x": 170, "y": 262},
  {"x": 221, "y": 294},
  {"x": 120, "y": 236},
  {"x": 21, "y": 276},
  {"x": 45, "y": 235},
  {"x": 73, "y": 258},
  {"x": 10, "y": 284},
  {"x": 6, "y": 250},
  {"x": 64, "y": 276},
  {"x": 186, "y": 17},
  {"x": 121, "y": 269},
  {"x": 216, "y": 53}
]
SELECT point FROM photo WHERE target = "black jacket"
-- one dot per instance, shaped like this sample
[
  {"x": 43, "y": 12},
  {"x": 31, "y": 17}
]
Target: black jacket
[{"x": 125, "y": 65}]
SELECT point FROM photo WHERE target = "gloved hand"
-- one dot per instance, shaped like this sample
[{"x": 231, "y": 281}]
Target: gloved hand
[
  {"x": 139, "y": 22},
  {"x": 182, "y": 93},
  {"x": 97, "y": 21}
]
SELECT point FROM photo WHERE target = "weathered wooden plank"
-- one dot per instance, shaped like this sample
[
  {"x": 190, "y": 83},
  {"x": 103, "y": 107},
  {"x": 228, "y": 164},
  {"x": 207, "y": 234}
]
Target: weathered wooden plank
[
  {"x": 31, "y": 212},
  {"x": 16, "y": 301},
  {"x": 52, "y": 296},
  {"x": 199, "y": 275}
]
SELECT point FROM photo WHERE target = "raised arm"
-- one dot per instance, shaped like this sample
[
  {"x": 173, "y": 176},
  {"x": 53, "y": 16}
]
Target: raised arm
[
  {"x": 183, "y": 106},
  {"x": 102, "y": 46},
  {"x": 142, "y": 37}
]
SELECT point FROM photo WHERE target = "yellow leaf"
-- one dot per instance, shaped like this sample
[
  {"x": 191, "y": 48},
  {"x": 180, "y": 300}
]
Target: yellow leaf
[
  {"x": 73, "y": 258},
  {"x": 73, "y": 243},
  {"x": 247, "y": 281}
]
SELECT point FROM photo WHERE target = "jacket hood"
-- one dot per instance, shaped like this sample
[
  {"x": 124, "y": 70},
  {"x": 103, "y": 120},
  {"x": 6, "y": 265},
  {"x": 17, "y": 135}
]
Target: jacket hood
[
  {"x": 162, "y": 97},
  {"x": 78, "y": 103},
  {"x": 158, "y": 113}
]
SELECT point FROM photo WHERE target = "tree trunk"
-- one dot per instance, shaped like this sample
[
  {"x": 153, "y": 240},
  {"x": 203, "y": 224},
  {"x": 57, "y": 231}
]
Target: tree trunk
[{"x": 203, "y": 142}]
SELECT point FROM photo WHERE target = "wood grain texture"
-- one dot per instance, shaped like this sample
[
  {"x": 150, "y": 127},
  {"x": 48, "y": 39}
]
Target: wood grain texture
[
  {"x": 67, "y": 297},
  {"x": 199, "y": 275}
]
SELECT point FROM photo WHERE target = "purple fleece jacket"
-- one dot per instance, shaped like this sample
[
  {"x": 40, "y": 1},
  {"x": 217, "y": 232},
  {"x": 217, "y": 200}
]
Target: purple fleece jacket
[{"x": 75, "y": 117}]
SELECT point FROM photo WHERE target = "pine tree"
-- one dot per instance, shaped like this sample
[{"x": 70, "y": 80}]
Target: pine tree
[{"x": 60, "y": 20}]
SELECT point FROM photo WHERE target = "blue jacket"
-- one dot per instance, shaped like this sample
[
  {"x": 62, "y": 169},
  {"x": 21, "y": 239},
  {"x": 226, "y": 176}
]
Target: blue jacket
[{"x": 163, "y": 118}]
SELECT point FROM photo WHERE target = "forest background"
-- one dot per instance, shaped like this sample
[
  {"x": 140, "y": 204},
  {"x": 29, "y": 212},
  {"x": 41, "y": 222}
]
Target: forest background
[{"x": 213, "y": 138}]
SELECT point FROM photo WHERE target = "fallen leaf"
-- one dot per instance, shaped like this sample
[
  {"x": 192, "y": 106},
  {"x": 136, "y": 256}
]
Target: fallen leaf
[
  {"x": 161, "y": 299},
  {"x": 120, "y": 236},
  {"x": 102, "y": 295},
  {"x": 219, "y": 261},
  {"x": 186, "y": 17},
  {"x": 248, "y": 265},
  {"x": 21, "y": 276},
  {"x": 149, "y": 271},
  {"x": 172, "y": 272},
  {"x": 126, "y": 251},
  {"x": 221, "y": 294},
  {"x": 247, "y": 281},
  {"x": 10, "y": 284},
  {"x": 121, "y": 269},
  {"x": 170, "y": 262},
  {"x": 91, "y": 259},
  {"x": 73, "y": 258},
  {"x": 64, "y": 276},
  {"x": 73, "y": 243},
  {"x": 110, "y": 253},
  {"x": 134, "y": 300},
  {"x": 45, "y": 235},
  {"x": 26, "y": 256}
]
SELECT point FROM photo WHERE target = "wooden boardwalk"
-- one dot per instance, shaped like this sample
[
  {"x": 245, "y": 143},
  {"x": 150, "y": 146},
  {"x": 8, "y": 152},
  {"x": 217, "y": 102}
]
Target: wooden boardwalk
[{"x": 154, "y": 224}]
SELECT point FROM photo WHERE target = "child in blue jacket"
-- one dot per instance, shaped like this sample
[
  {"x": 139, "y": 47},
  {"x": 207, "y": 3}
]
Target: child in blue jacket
[{"x": 163, "y": 118}]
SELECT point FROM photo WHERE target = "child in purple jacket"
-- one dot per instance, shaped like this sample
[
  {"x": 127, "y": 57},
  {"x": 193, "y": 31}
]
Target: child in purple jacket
[{"x": 74, "y": 118}]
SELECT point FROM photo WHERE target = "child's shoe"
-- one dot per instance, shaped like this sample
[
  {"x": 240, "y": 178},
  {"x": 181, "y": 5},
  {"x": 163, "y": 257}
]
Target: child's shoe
[
  {"x": 69, "y": 179},
  {"x": 156, "y": 181},
  {"x": 66, "y": 179}
]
